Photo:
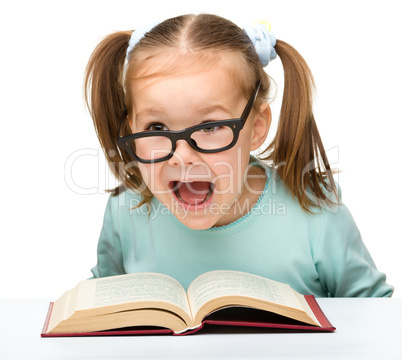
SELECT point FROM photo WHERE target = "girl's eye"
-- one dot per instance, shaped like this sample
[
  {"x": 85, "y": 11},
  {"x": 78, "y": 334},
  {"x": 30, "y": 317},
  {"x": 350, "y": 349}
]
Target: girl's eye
[
  {"x": 210, "y": 129},
  {"x": 157, "y": 127}
]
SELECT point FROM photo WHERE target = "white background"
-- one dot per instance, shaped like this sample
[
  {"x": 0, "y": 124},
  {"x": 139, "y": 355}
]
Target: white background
[{"x": 50, "y": 229}]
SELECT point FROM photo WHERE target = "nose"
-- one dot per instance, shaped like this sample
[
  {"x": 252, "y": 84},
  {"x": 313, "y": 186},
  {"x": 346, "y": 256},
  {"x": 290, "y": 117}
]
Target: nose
[{"x": 184, "y": 154}]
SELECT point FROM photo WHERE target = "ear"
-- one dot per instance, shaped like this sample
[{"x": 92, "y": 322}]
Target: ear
[{"x": 261, "y": 125}]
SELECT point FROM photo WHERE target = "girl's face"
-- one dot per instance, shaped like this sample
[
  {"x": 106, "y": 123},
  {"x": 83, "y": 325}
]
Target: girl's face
[{"x": 201, "y": 190}]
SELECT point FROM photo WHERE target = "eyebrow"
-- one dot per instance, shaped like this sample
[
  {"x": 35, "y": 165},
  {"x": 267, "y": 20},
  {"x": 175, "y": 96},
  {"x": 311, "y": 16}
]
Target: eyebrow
[
  {"x": 216, "y": 108},
  {"x": 158, "y": 111},
  {"x": 149, "y": 112}
]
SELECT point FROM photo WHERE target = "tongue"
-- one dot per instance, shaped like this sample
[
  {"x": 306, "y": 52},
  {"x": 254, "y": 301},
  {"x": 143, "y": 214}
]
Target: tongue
[{"x": 194, "y": 192}]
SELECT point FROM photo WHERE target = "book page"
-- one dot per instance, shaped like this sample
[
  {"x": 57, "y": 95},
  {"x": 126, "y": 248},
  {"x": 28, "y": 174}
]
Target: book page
[
  {"x": 130, "y": 288},
  {"x": 220, "y": 283}
]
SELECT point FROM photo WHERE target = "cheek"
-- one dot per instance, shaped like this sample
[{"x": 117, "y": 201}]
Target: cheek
[
  {"x": 229, "y": 168},
  {"x": 151, "y": 175}
]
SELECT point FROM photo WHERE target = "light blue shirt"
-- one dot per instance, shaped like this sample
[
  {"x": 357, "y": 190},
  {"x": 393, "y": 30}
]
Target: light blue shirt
[{"x": 320, "y": 254}]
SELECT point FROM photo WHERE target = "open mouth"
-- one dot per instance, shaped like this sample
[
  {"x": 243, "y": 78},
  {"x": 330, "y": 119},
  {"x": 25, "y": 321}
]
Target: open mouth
[{"x": 192, "y": 192}]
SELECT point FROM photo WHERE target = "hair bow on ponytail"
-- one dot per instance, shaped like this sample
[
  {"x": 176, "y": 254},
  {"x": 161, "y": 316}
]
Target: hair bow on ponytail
[{"x": 263, "y": 40}]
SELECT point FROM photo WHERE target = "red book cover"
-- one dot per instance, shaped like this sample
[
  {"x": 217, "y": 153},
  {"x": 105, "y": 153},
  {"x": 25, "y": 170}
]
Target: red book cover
[{"x": 239, "y": 317}]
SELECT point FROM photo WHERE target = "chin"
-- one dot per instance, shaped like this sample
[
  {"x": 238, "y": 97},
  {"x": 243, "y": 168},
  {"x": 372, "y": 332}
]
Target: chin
[{"x": 196, "y": 224}]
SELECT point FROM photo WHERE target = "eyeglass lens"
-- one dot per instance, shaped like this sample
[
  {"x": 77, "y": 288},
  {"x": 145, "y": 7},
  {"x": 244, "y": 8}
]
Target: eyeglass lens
[{"x": 210, "y": 138}]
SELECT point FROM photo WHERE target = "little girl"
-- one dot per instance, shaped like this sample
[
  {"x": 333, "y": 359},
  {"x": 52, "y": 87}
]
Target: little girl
[{"x": 178, "y": 107}]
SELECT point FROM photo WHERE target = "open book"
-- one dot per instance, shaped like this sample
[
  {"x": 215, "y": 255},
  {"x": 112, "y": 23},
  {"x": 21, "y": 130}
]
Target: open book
[{"x": 157, "y": 303}]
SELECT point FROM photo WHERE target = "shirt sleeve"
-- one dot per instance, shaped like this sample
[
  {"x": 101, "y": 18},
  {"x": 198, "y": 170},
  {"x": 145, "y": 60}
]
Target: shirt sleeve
[
  {"x": 109, "y": 253},
  {"x": 343, "y": 262}
]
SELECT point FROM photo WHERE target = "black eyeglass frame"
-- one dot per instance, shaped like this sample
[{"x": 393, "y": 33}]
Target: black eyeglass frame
[{"x": 124, "y": 142}]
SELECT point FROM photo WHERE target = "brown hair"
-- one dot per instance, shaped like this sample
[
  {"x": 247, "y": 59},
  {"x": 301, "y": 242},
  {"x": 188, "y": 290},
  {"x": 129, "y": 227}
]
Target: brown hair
[{"x": 208, "y": 38}]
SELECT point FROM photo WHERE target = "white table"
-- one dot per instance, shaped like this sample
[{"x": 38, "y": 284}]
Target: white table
[{"x": 366, "y": 329}]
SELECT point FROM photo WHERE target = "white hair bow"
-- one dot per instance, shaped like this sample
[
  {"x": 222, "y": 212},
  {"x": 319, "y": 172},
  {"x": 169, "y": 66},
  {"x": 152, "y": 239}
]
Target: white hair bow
[{"x": 263, "y": 40}]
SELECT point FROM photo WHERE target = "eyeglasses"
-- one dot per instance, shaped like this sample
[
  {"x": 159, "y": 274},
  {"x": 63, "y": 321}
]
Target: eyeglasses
[{"x": 154, "y": 146}]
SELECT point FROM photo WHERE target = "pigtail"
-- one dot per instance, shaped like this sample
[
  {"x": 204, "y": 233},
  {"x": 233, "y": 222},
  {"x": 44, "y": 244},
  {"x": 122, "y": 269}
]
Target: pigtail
[
  {"x": 105, "y": 98},
  {"x": 104, "y": 91},
  {"x": 297, "y": 150}
]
